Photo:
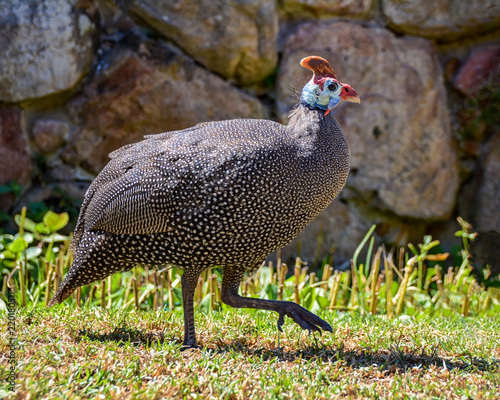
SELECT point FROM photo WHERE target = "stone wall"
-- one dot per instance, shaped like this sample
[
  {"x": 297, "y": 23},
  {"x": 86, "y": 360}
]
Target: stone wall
[{"x": 80, "y": 78}]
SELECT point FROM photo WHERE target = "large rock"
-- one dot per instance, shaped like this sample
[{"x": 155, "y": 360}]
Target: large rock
[
  {"x": 45, "y": 48},
  {"x": 326, "y": 8},
  {"x": 442, "y": 19},
  {"x": 402, "y": 156},
  {"x": 15, "y": 162},
  {"x": 482, "y": 65},
  {"x": 236, "y": 39},
  {"x": 488, "y": 196},
  {"x": 150, "y": 91}
]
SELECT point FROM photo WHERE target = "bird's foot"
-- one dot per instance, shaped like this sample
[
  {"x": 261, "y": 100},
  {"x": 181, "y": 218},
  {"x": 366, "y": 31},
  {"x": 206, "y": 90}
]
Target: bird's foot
[
  {"x": 185, "y": 347},
  {"x": 304, "y": 318},
  {"x": 190, "y": 347},
  {"x": 190, "y": 343}
]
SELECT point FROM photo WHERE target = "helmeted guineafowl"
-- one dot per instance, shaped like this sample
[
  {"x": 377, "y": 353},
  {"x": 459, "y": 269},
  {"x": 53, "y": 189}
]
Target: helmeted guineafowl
[{"x": 224, "y": 193}]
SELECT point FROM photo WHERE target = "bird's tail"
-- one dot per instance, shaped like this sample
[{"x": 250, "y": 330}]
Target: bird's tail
[
  {"x": 88, "y": 267},
  {"x": 62, "y": 294},
  {"x": 69, "y": 285},
  {"x": 84, "y": 269}
]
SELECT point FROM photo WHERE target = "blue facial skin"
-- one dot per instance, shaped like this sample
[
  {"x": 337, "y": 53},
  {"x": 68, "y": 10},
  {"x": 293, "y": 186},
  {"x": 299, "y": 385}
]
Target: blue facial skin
[{"x": 325, "y": 99}]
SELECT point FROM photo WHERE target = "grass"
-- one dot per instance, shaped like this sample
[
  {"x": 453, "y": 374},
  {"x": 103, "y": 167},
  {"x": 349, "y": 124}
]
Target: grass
[
  {"x": 89, "y": 352},
  {"x": 408, "y": 323}
]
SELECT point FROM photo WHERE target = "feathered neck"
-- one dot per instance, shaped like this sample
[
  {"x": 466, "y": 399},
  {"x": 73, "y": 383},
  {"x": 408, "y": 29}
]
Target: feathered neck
[{"x": 303, "y": 117}]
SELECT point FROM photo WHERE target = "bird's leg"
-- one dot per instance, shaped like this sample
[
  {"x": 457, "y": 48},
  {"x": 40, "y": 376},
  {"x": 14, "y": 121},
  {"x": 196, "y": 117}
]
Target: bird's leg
[
  {"x": 304, "y": 318},
  {"x": 189, "y": 283}
]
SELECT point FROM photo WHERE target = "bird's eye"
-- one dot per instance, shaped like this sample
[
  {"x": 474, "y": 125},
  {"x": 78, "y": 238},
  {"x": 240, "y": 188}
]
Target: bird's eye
[{"x": 332, "y": 87}]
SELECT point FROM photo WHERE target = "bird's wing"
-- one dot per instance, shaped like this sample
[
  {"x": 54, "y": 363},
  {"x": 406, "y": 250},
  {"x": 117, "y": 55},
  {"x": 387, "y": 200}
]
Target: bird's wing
[{"x": 150, "y": 186}]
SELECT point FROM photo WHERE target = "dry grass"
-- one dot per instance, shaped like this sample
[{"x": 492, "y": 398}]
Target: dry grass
[{"x": 94, "y": 353}]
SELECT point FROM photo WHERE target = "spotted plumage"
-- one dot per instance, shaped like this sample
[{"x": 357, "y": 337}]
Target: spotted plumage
[{"x": 223, "y": 193}]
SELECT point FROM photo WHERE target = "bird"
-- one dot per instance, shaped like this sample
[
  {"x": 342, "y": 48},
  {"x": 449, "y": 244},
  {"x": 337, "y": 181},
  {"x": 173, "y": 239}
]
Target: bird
[{"x": 219, "y": 194}]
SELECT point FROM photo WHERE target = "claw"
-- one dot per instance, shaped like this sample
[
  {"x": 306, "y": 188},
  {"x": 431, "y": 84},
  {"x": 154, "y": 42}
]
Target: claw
[{"x": 304, "y": 318}]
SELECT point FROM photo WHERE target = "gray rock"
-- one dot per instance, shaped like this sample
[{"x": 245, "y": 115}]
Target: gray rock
[
  {"x": 442, "y": 19},
  {"x": 45, "y": 45},
  {"x": 138, "y": 95},
  {"x": 487, "y": 208},
  {"x": 235, "y": 39},
  {"x": 402, "y": 155}
]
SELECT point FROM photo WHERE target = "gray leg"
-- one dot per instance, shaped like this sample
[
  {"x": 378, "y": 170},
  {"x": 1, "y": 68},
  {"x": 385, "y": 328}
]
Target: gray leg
[
  {"x": 189, "y": 283},
  {"x": 304, "y": 318}
]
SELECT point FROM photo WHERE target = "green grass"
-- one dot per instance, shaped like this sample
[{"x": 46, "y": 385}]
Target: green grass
[
  {"x": 408, "y": 323},
  {"x": 75, "y": 353}
]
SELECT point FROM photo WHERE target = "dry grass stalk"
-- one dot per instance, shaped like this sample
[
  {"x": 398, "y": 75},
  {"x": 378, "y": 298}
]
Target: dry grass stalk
[
  {"x": 325, "y": 277},
  {"x": 218, "y": 285},
  {"x": 303, "y": 274},
  {"x": 466, "y": 302},
  {"x": 354, "y": 286},
  {"x": 312, "y": 278},
  {"x": 272, "y": 277},
  {"x": 377, "y": 288},
  {"x": 283, "y": 269},
  {"x": 374, "y": 280},
  {"x": 156, "y": 291},
  {"x": 212, "y": 289},
  {"x": 161, "y": 277},
  {"x": 404, "y": 285},
  {"x": 79, "y": 297},
  {"x": 127, "y": 292},
  {"x": 109, "y": 292},
  {"x": 170, "y": 293},
  {"x": 135, "y": 289},
  {"x": 199, "y": 290},
  {"x": 335, "y": 289},
  {"x": 345, "y": 287},
  {"x": 22, "y": 281},
  {"x": 56, "y": 275},
  {"x": 388, "y": 272},
  {"x": 448, "y": 278},
  {"x": 401, "y": 263},
  {"x": 92, "y": 289},
  {"x": 297, "y": 280},
  {"x": 103, "y": 293}
]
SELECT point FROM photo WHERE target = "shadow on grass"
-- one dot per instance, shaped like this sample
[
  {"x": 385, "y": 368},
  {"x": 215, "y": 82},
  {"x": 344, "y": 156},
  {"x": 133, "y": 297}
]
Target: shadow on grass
[
  {"x": 123, "y": 336},
  {"x": 391, "y": 359}
]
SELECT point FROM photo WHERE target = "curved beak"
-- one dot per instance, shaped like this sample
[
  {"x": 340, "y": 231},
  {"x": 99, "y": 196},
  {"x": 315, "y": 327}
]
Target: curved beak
[{"x": 349, "y": 94}]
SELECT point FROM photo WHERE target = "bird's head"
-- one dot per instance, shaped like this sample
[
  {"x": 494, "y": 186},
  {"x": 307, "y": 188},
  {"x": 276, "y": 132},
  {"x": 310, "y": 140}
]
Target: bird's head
[{"x": 324, "y": 91}]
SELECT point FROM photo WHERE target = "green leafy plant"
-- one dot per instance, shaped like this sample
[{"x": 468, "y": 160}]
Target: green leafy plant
[
  {"x": 28, "y": 256},
  {"x": 34, "y": 261}
]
